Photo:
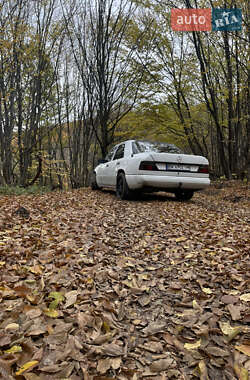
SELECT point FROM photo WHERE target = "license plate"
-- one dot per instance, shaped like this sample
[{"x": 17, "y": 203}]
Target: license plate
[{"x": 180, "y": 167}]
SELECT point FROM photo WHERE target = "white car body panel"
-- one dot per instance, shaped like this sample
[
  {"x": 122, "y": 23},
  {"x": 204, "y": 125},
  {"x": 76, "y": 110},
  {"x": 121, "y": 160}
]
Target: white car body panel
[{"x": 106, "y": 173}]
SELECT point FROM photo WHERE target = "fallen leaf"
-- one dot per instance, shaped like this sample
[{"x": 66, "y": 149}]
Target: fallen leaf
[
  {"x": 203, "y": 370},
  {"x": 161, "y": 365},
  {"x": 51, "y": 313},
  {"x": 207, "y": 290},
  {"x": 13, "y": 350},
  {"x": 192, "y": 346},
  {"x": 27, "y": 366},
  {"x": 115, "y": 363},
  {"x": 58, "y": 298},
  {"x": 154, "y": 328},
  {"x": 234, "y": 311},
  {"x": 227, "y": 329},
  {"x": 182, "y": 238},
  {"x": 31, "y": 376},
  {"x": 244, "y": 348},
  {"x": 71, "y": 298},
  {"x": 103, "y": 365},
  {"x": 229, "y": 299},
  {"x": 241, "y": 372},
  {"x": 216, "y": 351},
  {"x": 112, "y": 349},
  {"x": 12, "y": 327},
  {"x": 245, "y": 297}
]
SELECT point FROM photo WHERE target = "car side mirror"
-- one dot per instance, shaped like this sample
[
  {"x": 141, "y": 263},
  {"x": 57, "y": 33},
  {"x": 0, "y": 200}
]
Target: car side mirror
[{"x": 101, "y": 161}]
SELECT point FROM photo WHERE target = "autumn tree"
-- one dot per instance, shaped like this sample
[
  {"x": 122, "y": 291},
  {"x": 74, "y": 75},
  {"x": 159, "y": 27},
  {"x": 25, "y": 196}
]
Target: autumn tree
[
  {"x": 28, "y": 57},
  {"x": 200, "y": 69},
  {"x": 97, "y": 33}
]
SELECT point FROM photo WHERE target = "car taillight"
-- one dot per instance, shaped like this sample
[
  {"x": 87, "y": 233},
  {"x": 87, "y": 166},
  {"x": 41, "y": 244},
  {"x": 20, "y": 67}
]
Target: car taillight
[
  {"x": 203, "y": 169},
  {"x": 147, "y": 165}
]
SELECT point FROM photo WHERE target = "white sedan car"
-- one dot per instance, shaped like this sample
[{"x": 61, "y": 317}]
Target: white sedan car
[{"x": 134, "y": 166}]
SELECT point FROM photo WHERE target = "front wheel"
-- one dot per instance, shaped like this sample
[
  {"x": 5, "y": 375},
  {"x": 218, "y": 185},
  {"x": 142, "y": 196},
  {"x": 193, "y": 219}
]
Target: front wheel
[
  {"x": 122, "y": 190},
  {"x": 184, "y": 195}
]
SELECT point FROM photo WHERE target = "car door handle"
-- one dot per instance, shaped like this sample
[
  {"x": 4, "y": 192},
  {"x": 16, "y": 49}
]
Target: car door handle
[{"x": 118, "y": 163}]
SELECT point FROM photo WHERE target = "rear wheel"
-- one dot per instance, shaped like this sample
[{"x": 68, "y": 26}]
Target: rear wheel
[
  {"x": 122, "y": 190},
  {"x": 94, "y": 185},
  {"x": 184, "y": 195}
]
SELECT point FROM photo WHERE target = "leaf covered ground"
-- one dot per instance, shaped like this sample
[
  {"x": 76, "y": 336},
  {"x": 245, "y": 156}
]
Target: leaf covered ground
[{"x": 95, "y": 288}]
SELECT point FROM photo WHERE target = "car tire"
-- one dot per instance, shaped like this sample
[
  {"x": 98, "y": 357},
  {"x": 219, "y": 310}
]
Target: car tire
[
  {"x": 94, "y": 185},
  {"x": 184, "y": 195},
  {"x": 122, "y": 190}
]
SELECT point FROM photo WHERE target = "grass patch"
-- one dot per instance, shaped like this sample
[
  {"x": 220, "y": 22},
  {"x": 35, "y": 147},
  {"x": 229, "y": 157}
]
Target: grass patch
[{"x": 17, "y": 190}]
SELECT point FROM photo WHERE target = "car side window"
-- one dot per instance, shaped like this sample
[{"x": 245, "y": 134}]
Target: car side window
[
  {"x": 110, "y": 154},
  {"x": 120, "y": 152},
  {"x": 135, "y": 149}
]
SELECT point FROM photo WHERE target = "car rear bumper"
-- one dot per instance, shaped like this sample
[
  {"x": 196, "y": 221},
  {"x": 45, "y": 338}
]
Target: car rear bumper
[{"x": 167, "y": 182}]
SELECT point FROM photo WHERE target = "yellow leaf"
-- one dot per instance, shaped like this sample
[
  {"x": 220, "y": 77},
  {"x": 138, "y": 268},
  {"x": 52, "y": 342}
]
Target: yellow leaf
[
  {"x": 106, "y": 327},
  {"x": 203, "y": 370},
  {"x": 182, "y": 238},
  {"x": 58, "y": 297},
  {"x": 196, "y": 305},
  {"x": 12, "y": 327},
  {"x": 192, "y": 346},
  {"x": 51, "y": 313},
  {"x": 2, "y": 263},
  {"x": 27, "y": 366},
  {"x": 13, "y": 350},
  {"x": 234, "y": 292},
  {"x": 227, "y": 329},
  {"x": 30, "y": 298},
  {"x": 36, "y": 269},
  {"x": 227, "y": 249},
  {"x": 244, "y": 348},
  {"x": 207, "y": 290},
  {"x": 241, "y": 372},
  {"x": 245, "y": 297}
]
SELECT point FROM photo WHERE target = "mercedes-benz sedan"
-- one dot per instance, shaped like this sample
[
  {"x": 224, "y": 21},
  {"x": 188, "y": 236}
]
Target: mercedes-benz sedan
[{"x": 135, "y": 166}]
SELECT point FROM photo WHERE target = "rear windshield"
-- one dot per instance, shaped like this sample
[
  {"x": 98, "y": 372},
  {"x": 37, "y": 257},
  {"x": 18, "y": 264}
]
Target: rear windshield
[{"x": 157, "y": 147}]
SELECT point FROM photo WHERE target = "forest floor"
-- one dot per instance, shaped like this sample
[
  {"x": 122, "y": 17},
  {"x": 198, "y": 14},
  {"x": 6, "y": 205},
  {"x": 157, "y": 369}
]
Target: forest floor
[{"x": 95, "y": 288}]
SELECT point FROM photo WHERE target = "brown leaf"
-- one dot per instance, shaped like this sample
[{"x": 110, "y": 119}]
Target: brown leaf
[
  {"x": 154, "y": 328},
  {"x": 161, "y": 365},
  {"x": 71, "y": 298},
  {"x": 115, "y": 363},
  {"x": 235, "y": 312},
  {"x": 144, "y": 300},
  {"x": 5, "y": 339},
  {"x": 215, "y": 351},
  {"x": 53, "y": 368},
  {"x": 30, "y": 376},
  {"x": 229, "y": 299},
  {"x": 112, "y": 349},
  {"x": 5, "y": 368},
  {"x": 103, "y": 365},
  {"x": 22, "y": 290},
  {"x": 102, "y": 339}
]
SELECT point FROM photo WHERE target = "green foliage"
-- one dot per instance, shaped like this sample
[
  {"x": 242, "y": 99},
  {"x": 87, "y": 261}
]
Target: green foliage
[
  {"x": 17, "y": 190},
  {"x": 152, "y": 122}
]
